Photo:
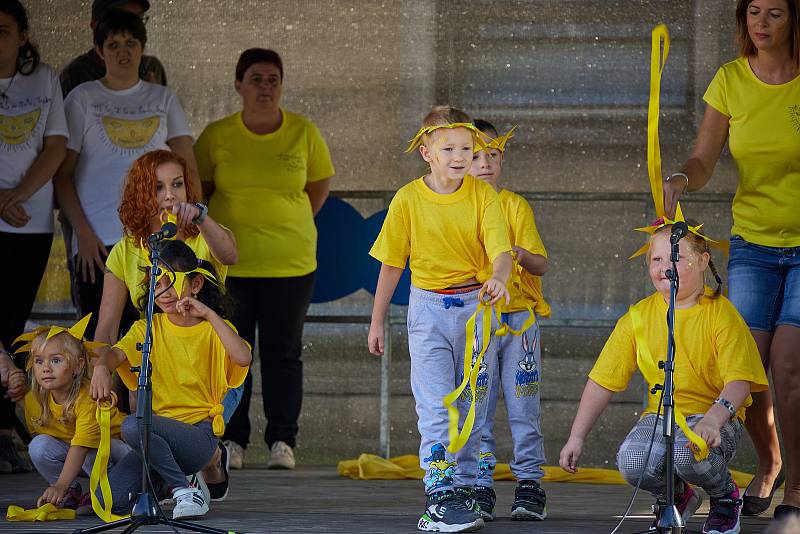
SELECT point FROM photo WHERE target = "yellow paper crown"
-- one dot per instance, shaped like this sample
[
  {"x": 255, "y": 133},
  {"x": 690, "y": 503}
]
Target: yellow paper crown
[
  {"x": 499, "y": 142},
  {"x": 481, "y": 139},
  {"x": 178, "y": 278},
  {"x": 658, "y": 58},
  {"x": 77, "y": 330}
]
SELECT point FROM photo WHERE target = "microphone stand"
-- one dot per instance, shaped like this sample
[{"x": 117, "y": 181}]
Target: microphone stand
[
  {"x": 668, "y": 519},
  {"x": 146, "y": 510}
]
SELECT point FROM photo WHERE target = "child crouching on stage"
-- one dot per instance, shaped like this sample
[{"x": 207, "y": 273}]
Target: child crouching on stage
[
  {"x": 716, "y": 367},
  {"x": 447, "y": 225},
  {"x": 519, "y": 357},
  {"x": 197, "y": 356},
  {"x": 59, "y": 411}
]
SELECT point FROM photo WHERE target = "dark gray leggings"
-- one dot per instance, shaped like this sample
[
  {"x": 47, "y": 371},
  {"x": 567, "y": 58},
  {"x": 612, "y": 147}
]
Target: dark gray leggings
[{"x": 176, "y": 450}]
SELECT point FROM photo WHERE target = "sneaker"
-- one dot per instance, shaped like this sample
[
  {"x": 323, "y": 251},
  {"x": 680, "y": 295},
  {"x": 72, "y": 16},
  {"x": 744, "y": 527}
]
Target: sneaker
[
  {"x": 280, "y": 456},
  {"x": 529, "y": 502},
  {"x": 486, "y": 498},
  {"x": 8, "y": 452},
  {"x": 723, "y": 515},
  {"x": 219, "y": 490},
  {"x": 72, "y": 498},
  {"x": 85, "y": 507},
  {"x": 189, "y": 502},
  {"x": 196, "y": 481},
  {"x": 235, "y": 453},
  {"x": 447, "y": 511},
  {"x": 688, "y": 501}
]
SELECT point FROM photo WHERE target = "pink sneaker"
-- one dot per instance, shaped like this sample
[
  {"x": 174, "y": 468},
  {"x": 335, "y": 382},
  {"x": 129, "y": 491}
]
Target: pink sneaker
[
  {"x": 688, "y": 501},
  {"x": 723, "y": 516}
]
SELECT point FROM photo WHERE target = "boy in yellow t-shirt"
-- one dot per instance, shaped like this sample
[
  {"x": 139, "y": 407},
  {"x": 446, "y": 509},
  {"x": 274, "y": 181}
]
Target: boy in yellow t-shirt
[
  {"x": 717, "y": 366},
  {"x": 197, "y": 356},
  {"x": 447, "y": 225},
  {"x": 519, "y": 357}
]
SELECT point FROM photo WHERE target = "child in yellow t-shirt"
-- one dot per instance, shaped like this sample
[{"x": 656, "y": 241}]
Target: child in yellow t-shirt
[
  {"x": 196, "y": 357},
  {"x": 60, "y": 414},
  {"x": 447, "y": 225},
  {"x": 717, "y": 366},
  {"x": 519, "y": 357}
]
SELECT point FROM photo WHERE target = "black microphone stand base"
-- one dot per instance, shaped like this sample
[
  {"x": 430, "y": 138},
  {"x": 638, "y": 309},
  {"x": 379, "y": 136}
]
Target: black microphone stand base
[
  {"x": 145, "y": 512},
  {"x": 668, "y": 521}
]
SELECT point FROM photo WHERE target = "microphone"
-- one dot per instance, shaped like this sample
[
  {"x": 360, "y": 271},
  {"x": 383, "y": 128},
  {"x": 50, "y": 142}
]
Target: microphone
[
  {"x": 679, "y": 231},
  {"x": 168, "y": 230}
]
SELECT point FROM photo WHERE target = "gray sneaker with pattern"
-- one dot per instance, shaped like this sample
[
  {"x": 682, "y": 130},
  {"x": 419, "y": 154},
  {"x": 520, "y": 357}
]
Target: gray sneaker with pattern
[{"x": 450, "y": 511}]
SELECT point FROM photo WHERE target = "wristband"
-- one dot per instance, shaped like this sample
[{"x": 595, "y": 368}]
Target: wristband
[
  {"x": 203, "y": 212},
  {"x": 674, "y": 174},
  {"x": 728, "y": 405}
]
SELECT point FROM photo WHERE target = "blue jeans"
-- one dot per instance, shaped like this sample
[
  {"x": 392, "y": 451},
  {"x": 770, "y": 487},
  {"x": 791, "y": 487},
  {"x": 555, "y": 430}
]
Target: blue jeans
[
  {"x": 765, "y": 284},
  {"x": 231, "y": 401}
]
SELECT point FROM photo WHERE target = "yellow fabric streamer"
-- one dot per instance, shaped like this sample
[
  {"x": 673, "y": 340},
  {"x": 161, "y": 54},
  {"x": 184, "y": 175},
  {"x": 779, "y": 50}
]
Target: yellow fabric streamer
[
  {"x": 372, "y": 467},
  {"x": 99, "y": 474},
  {"x": 481, "y": 139},
  {"x": 649, "y": 368},
  {"x": 46, "y": 512},
  {"x": 658, "y": 58}
]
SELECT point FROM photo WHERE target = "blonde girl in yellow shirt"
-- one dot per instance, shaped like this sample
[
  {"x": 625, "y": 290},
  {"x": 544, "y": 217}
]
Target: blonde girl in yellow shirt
[
  {"x": 60, "y": 414},
  {"x": 197, "y": 356},
  {"x": 716, "y": 368}
]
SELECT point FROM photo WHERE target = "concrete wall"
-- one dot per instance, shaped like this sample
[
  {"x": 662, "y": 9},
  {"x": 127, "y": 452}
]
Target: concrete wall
[{"x": 572, "y": 74}]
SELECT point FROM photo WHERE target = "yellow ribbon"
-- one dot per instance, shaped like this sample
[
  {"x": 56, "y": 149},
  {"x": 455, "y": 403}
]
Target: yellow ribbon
[
  {"x": 658, "y": 58},
  {"x": 99, "y": 473},
  {"x": 648, "y": 367},
  {"x": 481, "y": 139},
  {"x": 46, "y": 512},
  {"x": 217, "y": 421}
]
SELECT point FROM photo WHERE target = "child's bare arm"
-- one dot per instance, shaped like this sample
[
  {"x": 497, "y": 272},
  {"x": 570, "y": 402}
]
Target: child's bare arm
[
  {"x": 495, "y": 286},
  {"x": 108, "y": 359},
  {"x": 72, "y": 467},
  {"x": 594, "y": 400},
  {"x": 536, "y": 264},
  {"x": 717, "y": 415},
  {"x": 387, "y": 282},
  {"x": 236, "y": 347}
]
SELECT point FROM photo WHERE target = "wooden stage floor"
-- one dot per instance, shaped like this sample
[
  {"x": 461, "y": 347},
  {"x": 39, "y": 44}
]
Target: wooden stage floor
[{"x": 316, "y": 499}]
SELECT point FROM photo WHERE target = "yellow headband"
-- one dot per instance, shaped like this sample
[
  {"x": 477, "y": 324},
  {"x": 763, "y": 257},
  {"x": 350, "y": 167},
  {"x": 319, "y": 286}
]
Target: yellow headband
[
  {"x": 481, "y": 139},
  {"x": 179, "y": 280},
  {"x": 77, "y": 330},
  {"x": 499, "y": 142},
  {"x": 658, "y": 58}
]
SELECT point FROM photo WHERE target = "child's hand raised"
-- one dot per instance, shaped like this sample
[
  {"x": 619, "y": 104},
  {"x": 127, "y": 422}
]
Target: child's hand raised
[
  {"x": 496, "y": 290},
  {"x": 190, "y": 306}
]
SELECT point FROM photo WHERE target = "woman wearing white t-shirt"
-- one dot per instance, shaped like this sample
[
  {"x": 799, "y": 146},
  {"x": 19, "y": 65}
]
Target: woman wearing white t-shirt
[
  {"x": 33, "y": 136},
  {"x": 112, "y": 121}
]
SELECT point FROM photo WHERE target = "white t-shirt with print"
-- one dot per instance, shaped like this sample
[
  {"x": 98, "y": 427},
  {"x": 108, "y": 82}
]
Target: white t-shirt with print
[
  {"x": 32, "y": 110},
  {"x": 110, "y": 129}
]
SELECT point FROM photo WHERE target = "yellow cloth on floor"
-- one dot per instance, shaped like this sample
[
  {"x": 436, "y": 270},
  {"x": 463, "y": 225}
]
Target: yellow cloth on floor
[
  {"x": 46, "y": 512},
  {"x": 372, "y": 467}
]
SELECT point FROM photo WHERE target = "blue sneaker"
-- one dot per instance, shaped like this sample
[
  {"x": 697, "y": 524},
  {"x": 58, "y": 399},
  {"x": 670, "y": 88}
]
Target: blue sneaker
[
  {"x": 529, "y": 502},
  {"x": 486, "y": 498},
  {"x": 450, "y": 511}
]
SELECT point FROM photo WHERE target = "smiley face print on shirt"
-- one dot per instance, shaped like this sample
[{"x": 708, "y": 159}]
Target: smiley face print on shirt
[
  {"x": 131, "y": 134},
  {"x": 16, "y": 130}
]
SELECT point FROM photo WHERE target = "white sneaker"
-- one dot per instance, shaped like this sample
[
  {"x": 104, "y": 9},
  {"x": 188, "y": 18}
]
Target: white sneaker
[
  {"x": 189, "y": 502},
  {"x": 281, "y": 456},
  {"x": 196, "y": 481},
  {"x": 235, "y": 454}
]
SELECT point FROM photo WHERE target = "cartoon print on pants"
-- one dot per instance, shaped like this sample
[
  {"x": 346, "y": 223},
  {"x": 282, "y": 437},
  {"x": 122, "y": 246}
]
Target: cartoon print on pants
[
  {"x": 486, "y": 464},
  {"x": 482, "y": 382},
  {"x": 440, "y": 470},
  {"x": 527, "y": 379}
]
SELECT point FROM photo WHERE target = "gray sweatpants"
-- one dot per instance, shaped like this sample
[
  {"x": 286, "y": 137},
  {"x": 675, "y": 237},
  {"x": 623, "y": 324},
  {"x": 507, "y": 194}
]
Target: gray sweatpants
[
  {"x": 520, "y": 363},
  {"x": 436, "y": 339},
  {"x": 48, "y": 455},
  {"x": 176, "y": 449},
  {"x": 710, "y": 474}
]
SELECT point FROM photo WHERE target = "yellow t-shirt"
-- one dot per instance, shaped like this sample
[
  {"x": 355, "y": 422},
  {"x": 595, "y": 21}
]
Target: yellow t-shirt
[
  {"x": 130, "y": 263},
  {"x": 83, "y": 431},
  {"x": 522, "y": 231},
  {"x": 191, "y": 369},
  {"x": 259, "y": 193},
  {"x": 713, "y": 346},
  {"x": 445, "y": 238},
  {"x": 764, "y": 137}
]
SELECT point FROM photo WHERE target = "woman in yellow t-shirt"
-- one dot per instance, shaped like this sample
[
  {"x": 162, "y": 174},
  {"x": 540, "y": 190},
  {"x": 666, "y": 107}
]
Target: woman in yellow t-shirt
[
  {"x": 60, "y": 413},
  {"x": 716, "y": 368},
  {"x": 755, "y": 102},
  {"x": 266, "y": 173},
  {"x": 197, "y": 357}
]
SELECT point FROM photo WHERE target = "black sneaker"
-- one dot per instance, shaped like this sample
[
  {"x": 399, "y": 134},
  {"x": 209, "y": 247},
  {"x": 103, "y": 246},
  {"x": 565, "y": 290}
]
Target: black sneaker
[
  {"x": 486, "y": 500},
  {"x": 529, "y": 502},
  {"x": 448, "y": 511},
  {"x": 219, "y": 490}
]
